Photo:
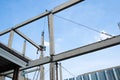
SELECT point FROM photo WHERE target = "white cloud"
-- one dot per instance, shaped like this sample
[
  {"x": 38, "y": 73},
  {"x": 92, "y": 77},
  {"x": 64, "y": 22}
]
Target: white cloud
[
  {"x": 59, "y": 39},
  {"x": 102, "y": 36},
  {"x": 46, "y": 44}
]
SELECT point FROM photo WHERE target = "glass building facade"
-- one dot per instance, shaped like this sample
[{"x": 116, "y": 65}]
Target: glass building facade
[{"x": 106, "y": 74}]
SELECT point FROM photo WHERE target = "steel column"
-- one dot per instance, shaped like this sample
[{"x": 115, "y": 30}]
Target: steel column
[
  {"x": 2, "y": 77},
  {"x": 41, "y": 57},
  {"x": 24, "y": 48},
  {"x": 11, "y": 39},
  {"x": 52, "y": 50},
  {"x": 56, "y": 71},
  {"x": 16, "y": 73},
  {"x": 60, "y": 69}
]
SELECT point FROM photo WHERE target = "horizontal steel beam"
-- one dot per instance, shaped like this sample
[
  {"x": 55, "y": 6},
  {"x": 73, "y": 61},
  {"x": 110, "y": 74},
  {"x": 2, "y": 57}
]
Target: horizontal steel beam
[
  {"x": 12, "y": 58},
  {"x": 5, "y": 31},
  {"x": 31, "y": 64},
  {"x": 31, "y": 20},
  {"x": 65, "y": 5},
  {"x": 27, "y": 39},
  {"x": 32, "y": 70},
  {"x": 88, "y": 48},
  {"x": 75, "y": 52},
  {"x": 78, "y": 51},
  {"x": 37, "y": 62},
  {"x": 55, "y": 10},
  {"x": 25, "y": 22}
]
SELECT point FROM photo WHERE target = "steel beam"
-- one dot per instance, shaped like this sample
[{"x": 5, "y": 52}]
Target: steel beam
[
  {"x": 77, "y": 52},
  {"x": 10, "y": 39},
  {"x": 65, "y": 5},
  {"x": 37, "y": 62},
  {"x": 12, "y": 58},
  {"x": 41, "y": 57},
  {"x": 27, "y": 39},
  {"x": 52, "y": 45},
  {"x": 88, "y": 48},
  {"x": 55, "y": 10},
  {"x": 25, "y": 22},
  {"x": 5, "y": 31}
]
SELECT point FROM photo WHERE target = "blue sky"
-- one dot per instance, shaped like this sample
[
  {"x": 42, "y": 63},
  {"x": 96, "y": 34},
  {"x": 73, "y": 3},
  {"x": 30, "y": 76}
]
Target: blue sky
[{"x": 100, "y": 15}]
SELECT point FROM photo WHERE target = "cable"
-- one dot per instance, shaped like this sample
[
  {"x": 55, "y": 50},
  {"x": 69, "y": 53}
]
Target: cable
[
  {"x": 36, "y": 73},
  {"x": 119, "y": 25},
  {"x": 44, "y": 24},
  {"x": 83, "y": 25},
  {"x": 68, "y": 71}
]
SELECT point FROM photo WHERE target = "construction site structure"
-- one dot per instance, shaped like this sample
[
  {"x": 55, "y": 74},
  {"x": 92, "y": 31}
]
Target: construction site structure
[{"x": 11, "y": 62}]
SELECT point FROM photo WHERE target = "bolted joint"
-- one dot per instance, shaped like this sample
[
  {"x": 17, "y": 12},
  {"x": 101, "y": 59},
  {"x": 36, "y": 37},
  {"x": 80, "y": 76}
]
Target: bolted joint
[
  {"x": 51, "y": 58},
  {"x": 42, "y": 48}
]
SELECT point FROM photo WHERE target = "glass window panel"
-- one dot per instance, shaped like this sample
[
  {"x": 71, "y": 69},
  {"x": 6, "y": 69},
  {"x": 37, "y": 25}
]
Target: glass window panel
[
  {"x": 110, "y": 74},
  {"x": 79, "y": 77},
  {"x": 117, "y": 70},
  {"x": 86, "y": 77},
  {"x": 101, "y": 75},
  {"x": 94, "y": 76}
]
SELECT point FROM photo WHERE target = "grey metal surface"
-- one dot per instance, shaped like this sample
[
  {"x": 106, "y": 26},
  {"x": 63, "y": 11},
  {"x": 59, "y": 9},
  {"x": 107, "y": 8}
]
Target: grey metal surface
[
  {"x": 9, "y": 59},
  {"x": 12, "y": 58},
  {"x": 52, "y": 46},
  {"x": 37, "y": 62},
  {"x": 77, "y": 52},
  {"x": 10, "y": 38}
]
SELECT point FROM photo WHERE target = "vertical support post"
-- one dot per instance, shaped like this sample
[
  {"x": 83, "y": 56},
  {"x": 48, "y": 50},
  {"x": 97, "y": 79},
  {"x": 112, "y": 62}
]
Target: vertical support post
[
  {"x": 2, "y": 77},
  {"x": 60, "y": 69},
  {"x": 16, "y": 73},
  {"x": 52, "y": 50},
  {"x": 41, "y": 57},
  {"x": 24, "y": 48},
  {"x": 56, "y": 71},
  {"x": 10, "y": 38}
]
